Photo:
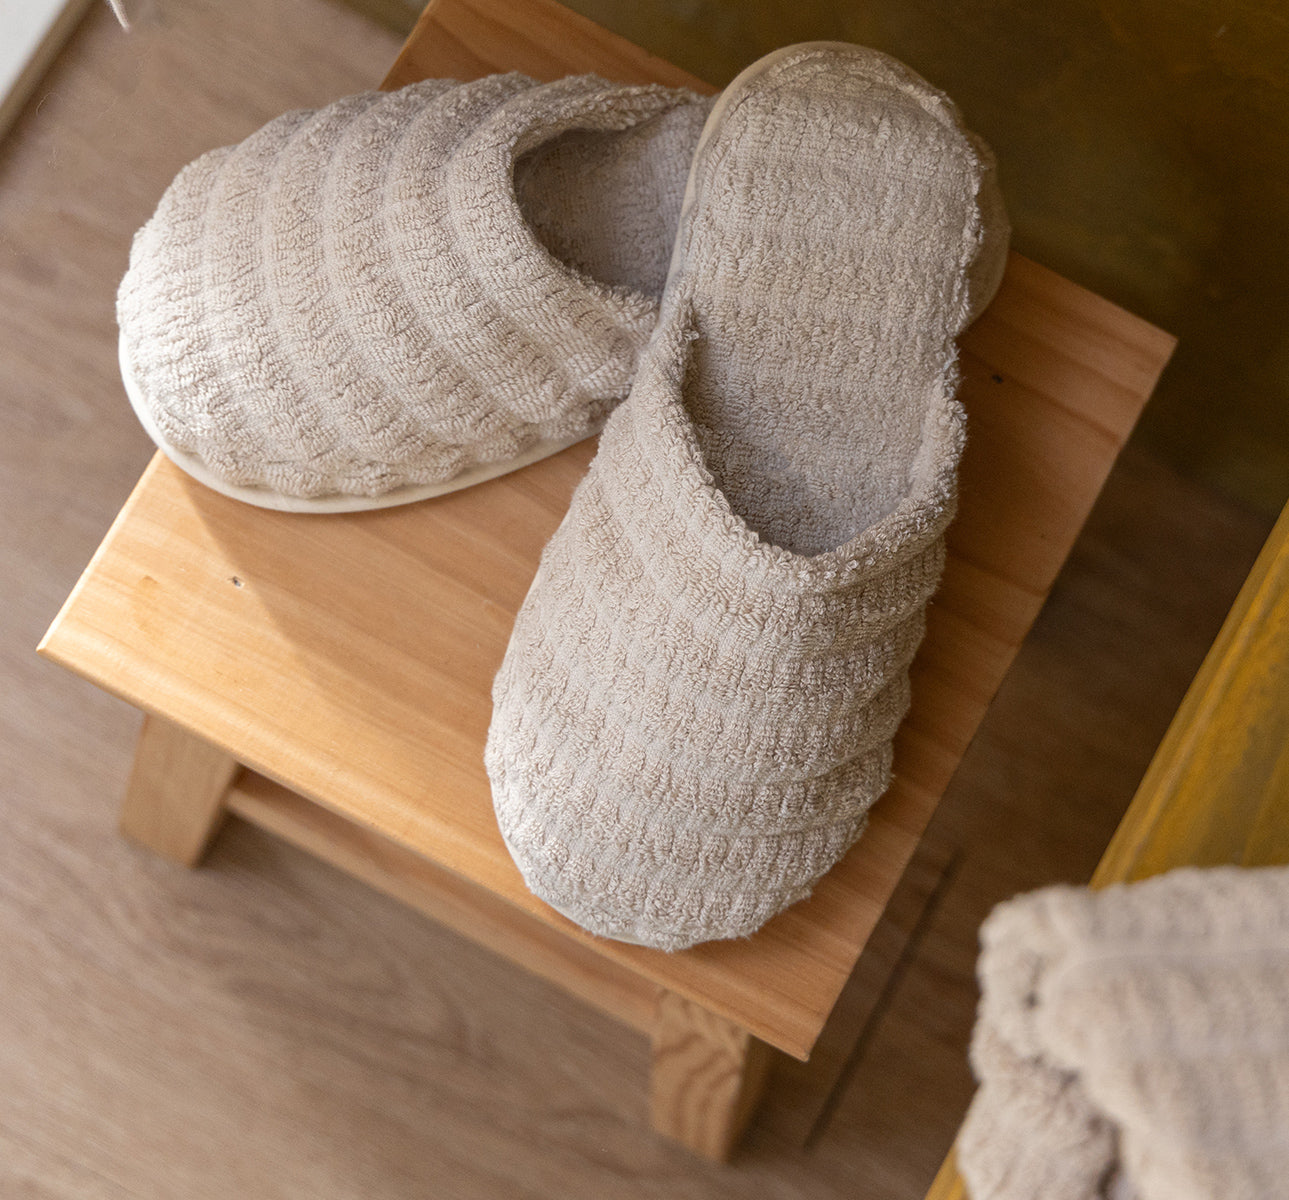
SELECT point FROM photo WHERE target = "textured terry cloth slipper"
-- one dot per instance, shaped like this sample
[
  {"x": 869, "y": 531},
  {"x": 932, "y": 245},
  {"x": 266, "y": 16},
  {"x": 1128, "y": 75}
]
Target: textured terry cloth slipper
[
  {"x": 405, "y": 293},
  {"x": 697, "y": 705}
]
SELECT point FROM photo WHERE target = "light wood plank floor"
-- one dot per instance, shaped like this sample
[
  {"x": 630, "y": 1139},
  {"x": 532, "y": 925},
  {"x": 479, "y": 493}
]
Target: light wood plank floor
[{"x": 267, "y": 1028}]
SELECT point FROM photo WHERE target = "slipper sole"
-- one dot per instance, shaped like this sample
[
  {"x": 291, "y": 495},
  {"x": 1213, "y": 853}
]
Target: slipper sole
[{"x": 337, "y": 502}]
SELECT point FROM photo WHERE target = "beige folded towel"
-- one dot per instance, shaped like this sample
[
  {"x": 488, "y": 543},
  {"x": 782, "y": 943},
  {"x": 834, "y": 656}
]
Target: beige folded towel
[{"x": 1134, "y": 1042}]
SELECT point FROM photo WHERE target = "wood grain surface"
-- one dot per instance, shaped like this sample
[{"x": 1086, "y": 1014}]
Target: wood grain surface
[
  {"x": 706, "y": 1079},
  {"x": 464, "y": 39},
  {"x": 174, "y": 802},
  {"x": 448, "y": 899},
  {"x": 350, "y": 658}
]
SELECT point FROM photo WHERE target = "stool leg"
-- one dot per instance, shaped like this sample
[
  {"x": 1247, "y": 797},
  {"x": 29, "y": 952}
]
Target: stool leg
[
  {"x": 708, "y": 1075},
  {"x": 175, "y": 800}
]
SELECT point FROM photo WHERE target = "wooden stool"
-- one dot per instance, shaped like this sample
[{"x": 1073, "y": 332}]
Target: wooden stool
[{"x": 328, "y": 677}]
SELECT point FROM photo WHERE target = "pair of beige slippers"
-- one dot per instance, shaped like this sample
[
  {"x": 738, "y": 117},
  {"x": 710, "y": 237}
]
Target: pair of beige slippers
[{"x": 756, "y": 300}]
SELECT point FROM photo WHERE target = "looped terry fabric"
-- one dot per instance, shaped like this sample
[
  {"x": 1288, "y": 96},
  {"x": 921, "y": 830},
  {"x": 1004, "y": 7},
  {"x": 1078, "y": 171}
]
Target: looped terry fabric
[
  {"x": 1134, "y": 1042},
  {"x": 697, "y": 706},
  {"x": 389, "y": 292}
]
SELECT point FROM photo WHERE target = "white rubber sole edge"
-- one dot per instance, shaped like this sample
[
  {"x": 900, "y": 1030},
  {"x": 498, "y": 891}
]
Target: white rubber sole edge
[{"x": 263, "y": 497}]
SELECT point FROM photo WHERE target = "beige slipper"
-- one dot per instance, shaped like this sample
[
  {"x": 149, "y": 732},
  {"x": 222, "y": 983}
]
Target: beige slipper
[
  {"x": 698, "y": 701},
  {"x": 407, "y": 292}
]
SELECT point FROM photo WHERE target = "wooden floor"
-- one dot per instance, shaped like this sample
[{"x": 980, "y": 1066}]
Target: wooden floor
[{"x": 267, "y": 1028}]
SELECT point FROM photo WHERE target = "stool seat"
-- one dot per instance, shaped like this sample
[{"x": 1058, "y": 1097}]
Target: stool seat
[{"x": 329, "y": 677}]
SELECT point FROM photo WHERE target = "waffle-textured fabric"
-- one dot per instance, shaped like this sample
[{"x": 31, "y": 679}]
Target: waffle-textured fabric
[
  {"x": 1134, "y": 1043},
  {"x": 697, "y": 704},
  {"x": 404, "y": 292}
]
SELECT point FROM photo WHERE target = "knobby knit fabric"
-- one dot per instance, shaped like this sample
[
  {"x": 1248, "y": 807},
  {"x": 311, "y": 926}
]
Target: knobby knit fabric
[
  {"x": 696, "y": 708},
  {"x": 1133, "y": 1043},
  {"x": 389, "y": 291}
]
